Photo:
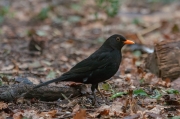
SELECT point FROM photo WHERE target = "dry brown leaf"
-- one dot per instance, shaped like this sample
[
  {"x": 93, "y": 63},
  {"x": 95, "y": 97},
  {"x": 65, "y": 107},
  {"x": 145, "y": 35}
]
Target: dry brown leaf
[
  {"x": 31, "y": 114},
  {"x": 18, "y": 115},
  {"x": 148, "y": 78},
  {"x": 6, "y": 68},
  {"x": 104, "y": 112},
  {"x": 80, "y": 115},
  {"x": 128, "y": 79},
  {"x": 23, "y": 65},
  {"x": 50, "y": 114},
  {"x": 63, "y": 58},
  {"x": 134, "y": 61},
  {"x": 116, "y": 108},
  {"x": 135, "y": 116},
  {"x": 4, "y": 115},
  {"x": 140, "y": 70},
  {"x": 34, "y": 80},
  {"x": 133, "y": 106},
  {"x": 76, "y": 108},
  {"x": 3, "y": 105},
  {"x": 167, "y": 82},
  {"x": 15, "y": 65},
  {"x": 105, "y": 109}
]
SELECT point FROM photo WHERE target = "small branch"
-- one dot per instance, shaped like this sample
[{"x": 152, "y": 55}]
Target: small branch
[{"x": 46, "y": 93}]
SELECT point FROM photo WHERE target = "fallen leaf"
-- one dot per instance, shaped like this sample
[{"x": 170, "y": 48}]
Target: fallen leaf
[
  {"x": 51, "y": 114},
  {"x": 30, "y": 114},
  {"x": 80, "y": 115},
  {"x": 64, "y": 58},
  {"x": 35, "y": 64},
  {"x": 106, "y": 86},
  {"x": 135, "y": 116},
  {"x": 3, "y": 105},
  {"x": 51, "y": 75},
  {"x": 34, "y": 80},
  {"x": 9, "y": 67},
  {"x": 118, "y": 94},
  {"x": 76, "y": 108},
  {"x": 168, "y": 82},
  {"x": 99, "y": 111},
  {"x": 4, "y": 115},
  {"x": 104, "y": 112},
  {"x": 140, "y": 92},
  {"x": 18, "y": 115},
  {"x": 23, "y": 66},
  {"x": 15, "y": 65}
]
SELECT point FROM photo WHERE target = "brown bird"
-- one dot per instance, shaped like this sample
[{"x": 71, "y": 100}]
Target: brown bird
[{"x": 98, "y": 67}]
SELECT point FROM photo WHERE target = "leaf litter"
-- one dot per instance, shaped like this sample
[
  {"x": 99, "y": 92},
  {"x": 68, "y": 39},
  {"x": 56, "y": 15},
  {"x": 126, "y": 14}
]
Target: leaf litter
[{"x": 44, "y": 42}]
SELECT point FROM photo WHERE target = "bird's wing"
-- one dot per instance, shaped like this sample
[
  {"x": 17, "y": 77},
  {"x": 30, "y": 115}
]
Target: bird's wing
[{"x": 91, "y": 63}]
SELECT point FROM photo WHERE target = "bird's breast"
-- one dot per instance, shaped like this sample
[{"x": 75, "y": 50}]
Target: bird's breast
[{"x": 107, "y": 70}]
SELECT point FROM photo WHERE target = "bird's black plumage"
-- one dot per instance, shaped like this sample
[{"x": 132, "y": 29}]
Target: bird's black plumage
[{"x": 98, "y": 67}]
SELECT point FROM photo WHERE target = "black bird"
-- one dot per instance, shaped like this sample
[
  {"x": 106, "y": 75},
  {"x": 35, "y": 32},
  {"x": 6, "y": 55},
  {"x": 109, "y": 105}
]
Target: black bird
[{"x": 98, "y": 67}]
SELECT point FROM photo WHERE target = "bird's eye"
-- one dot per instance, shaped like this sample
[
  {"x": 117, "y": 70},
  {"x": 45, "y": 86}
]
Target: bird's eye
[{"x": 118, "y": 39}]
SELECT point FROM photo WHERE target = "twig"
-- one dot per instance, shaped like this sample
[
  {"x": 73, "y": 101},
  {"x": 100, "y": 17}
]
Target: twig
[{"x": 65, "y": 98}]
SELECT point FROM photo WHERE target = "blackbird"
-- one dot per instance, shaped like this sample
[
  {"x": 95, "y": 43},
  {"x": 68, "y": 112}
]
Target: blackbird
[{"x": 98, "y": 67}]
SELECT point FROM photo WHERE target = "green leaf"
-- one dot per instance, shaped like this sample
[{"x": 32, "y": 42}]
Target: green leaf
[
  {"x": 76, "y": 7},
  {"x": 51, "y": 75},
  {"x": 111, "y": 7},
  {"x": 140, "y": 92},
  {"x": 118, "y": 94},
  {"x": 74, "y": 19},
  {"x": 157, "y": 94},
  {"x": 137, "y": 53},
  {"x": 43, "y": 13},
  {"x": 172, "y": 91},
  {"x": 4, "y": 10},
  {"x": 136, "y": 21},
  {"x": 106, "y": 86},
  {"x": 176, "y": 117}
]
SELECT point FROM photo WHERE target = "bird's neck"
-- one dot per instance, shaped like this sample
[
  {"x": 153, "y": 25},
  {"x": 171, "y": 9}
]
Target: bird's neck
[
  {"x": 104, "y": 47},
  {"x": 108, "y": 48}
]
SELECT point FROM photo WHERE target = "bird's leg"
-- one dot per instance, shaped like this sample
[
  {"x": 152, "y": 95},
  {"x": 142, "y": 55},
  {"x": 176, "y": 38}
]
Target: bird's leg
[
  {"x": 102, "y": 96},
  {"x": 93, "y": 87}
]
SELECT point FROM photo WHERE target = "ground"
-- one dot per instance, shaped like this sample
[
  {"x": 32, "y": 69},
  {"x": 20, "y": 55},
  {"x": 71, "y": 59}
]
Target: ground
[{"x": 41, "y": 39}]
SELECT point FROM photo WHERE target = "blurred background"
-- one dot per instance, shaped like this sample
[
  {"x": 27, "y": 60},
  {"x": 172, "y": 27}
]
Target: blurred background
[
  {"x": 47, "y": 37},
  {"x": 41, "y": 39}
]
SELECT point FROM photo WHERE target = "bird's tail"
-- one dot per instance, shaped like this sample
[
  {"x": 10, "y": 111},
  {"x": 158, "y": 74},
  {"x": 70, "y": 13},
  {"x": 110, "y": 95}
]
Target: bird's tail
[{"x": 51, "y": 81}]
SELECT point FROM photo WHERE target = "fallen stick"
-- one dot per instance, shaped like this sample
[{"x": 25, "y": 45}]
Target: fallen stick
[{"x": 45, "y": 93}]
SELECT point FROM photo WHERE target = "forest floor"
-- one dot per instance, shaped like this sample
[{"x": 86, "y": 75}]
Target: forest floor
[{"x": 41, "y": 39}]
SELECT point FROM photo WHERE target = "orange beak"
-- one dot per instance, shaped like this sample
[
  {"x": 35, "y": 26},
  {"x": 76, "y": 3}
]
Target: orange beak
[{"x": 128, "y": 42}]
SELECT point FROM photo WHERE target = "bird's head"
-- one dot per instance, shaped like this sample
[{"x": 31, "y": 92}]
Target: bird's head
[{"x": 117, "y": 41}]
